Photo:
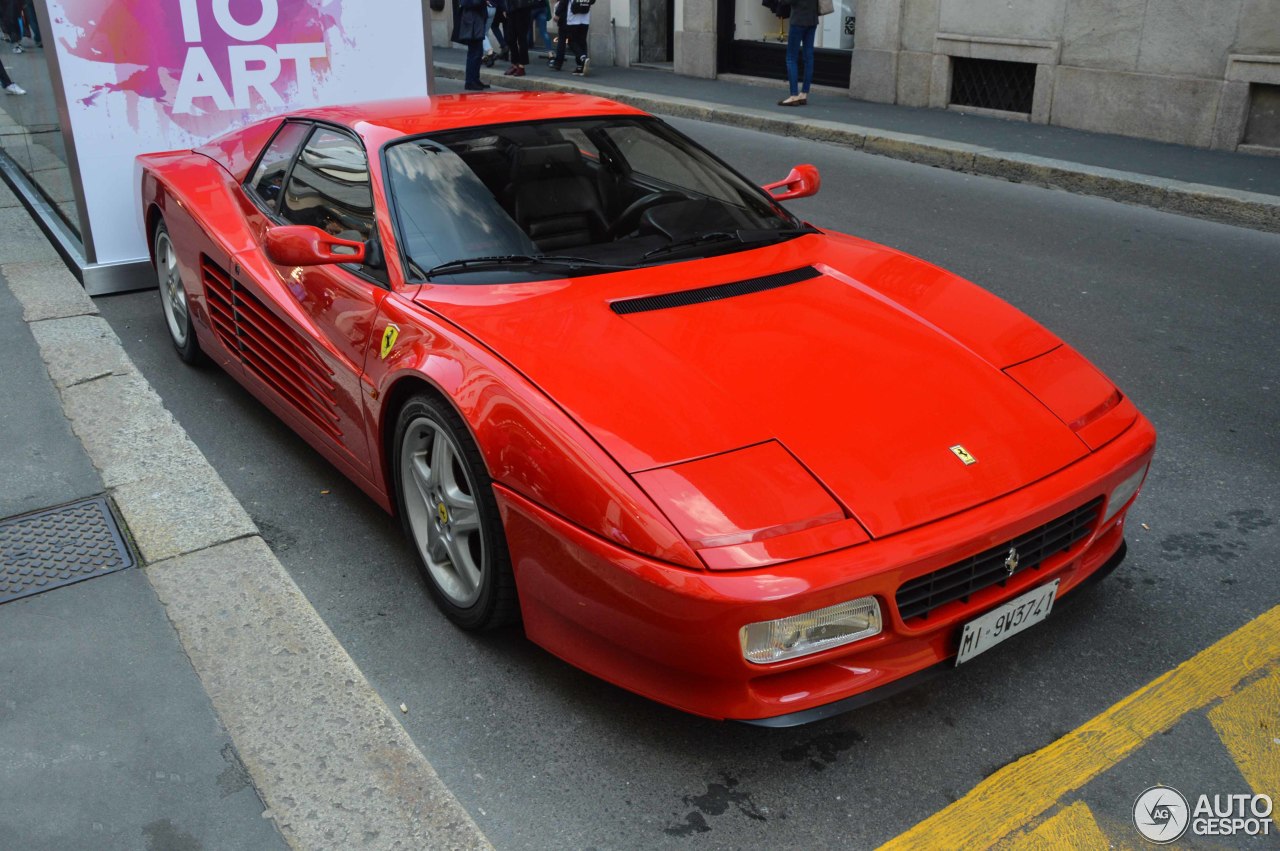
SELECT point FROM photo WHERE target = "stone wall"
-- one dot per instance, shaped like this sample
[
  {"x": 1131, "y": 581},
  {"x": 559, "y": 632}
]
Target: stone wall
[{"x": 1184, "y": 71}]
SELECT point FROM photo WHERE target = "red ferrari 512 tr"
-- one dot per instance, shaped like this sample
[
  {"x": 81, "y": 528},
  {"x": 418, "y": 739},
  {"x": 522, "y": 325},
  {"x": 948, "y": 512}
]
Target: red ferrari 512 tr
[{"x": 706, "y": 451}]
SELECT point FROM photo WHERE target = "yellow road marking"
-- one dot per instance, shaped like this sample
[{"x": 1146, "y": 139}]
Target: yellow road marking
[
  {"x": 1024, "y": 790},
  {"x": 1074, "y": 827},
  {"x": 1248, "y": 723}
]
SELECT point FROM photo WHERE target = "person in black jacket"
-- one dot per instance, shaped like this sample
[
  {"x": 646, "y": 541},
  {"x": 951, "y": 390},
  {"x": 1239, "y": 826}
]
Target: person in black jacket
[
  {"x": 804, "y": 25},
  {"x": 469, "y": 21}
]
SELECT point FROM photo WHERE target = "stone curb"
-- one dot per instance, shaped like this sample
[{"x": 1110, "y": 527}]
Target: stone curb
[
  {"x": 1229, "y": 206},
  {"x": 333, "y": 764}
]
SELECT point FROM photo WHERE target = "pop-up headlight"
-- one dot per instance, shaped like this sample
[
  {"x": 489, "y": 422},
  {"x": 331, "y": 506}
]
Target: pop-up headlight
[
  {"x": 800, "y": 635},
  {"x": 750, "y": 507},
  {"x": 1077, "y": 393}
]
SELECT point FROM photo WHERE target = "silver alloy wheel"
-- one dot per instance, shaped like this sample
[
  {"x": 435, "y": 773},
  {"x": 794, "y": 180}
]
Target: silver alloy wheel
[
  {"x": 173, "y": 295},
  {"x": 439, "y": 502}
]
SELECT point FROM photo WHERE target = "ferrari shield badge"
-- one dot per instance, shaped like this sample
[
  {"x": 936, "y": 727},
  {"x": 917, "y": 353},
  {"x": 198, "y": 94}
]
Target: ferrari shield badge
[
  {"x": 389, "y": 339},
  {"x": 960, "y": 451}
]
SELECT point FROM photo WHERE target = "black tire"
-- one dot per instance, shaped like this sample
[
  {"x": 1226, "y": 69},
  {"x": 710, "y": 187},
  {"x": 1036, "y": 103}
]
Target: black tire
[
  {"x": 174, "y": 303},
  {"x": 445, "y": 500}
]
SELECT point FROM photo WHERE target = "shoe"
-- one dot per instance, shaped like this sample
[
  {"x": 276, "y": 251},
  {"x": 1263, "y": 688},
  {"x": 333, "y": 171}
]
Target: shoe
[
  {"x": 518, "y": 72},
  {"x": 17, "y": 48},
  {"x": 15, "y": 89},
  {"x": 793, "y": 100},
  {"x": 477, "y": 87},
  {"x": 510, "y": 72},
  {"x": 582, "y": 70},
  {"x": 489, "y": 59}
]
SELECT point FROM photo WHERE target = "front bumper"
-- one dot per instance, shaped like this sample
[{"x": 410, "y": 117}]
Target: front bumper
[{"x": 671, "y": 633}]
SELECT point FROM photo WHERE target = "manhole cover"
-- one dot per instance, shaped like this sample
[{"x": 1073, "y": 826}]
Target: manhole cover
[{"x": 58, "y": 546}]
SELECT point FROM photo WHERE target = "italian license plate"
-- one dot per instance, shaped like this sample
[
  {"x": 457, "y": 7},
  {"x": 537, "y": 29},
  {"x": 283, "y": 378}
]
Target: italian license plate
[{"x": 981, "y": 634}]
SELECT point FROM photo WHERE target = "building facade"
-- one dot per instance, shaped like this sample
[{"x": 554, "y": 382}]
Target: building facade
[{"x": 1204, "y": 73}]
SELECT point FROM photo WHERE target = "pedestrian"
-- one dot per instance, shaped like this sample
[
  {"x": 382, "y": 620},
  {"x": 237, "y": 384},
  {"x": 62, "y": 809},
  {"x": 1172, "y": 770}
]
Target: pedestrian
[
  {"x": 558, "y": 14},
  {"x": 10, "y": 11},
  {"x": 495, "y": 16},
  {"x": 573, "y": 18},
  {"x": 804, "y": 25},
  {"x": 10, "y": 87},
  {"x": 518, "y": 22},
  {"x": 577, "y": 22},
  {"x": 469, "y": 20},
  {"x": 33, "y": 26},
  {"x": 539, "y": 24}
]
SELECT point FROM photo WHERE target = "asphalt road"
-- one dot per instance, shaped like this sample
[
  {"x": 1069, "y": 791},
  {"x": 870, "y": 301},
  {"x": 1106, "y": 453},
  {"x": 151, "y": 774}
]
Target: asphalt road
[{"x": 1182, "y": 313}]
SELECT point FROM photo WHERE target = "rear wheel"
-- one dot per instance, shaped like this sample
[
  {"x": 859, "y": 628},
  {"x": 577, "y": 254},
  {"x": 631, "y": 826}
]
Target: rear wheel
[
  {"x": 173, "y": 298},
  {"x": 450, "y": 515}
]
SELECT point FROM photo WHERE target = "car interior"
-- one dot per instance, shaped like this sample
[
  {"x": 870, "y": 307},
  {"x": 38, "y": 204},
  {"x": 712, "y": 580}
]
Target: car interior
[{"x": 603, "y": 189}]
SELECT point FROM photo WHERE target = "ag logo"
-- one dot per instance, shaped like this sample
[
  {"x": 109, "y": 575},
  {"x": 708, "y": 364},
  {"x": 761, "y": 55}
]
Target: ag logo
[
  {"x": 1161, "y": 814},
  {"x": 389, "y": 339}
]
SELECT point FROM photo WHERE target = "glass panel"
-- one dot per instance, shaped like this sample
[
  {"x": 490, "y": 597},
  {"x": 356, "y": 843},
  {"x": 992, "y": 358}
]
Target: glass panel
[
  {"x": 30, "y": 129},
  {"x": 445, "y": 212},
  {"x": 604, "y": 191},
  {"x": 329, "y": 187},
  {"x": 269, "y": 176}
]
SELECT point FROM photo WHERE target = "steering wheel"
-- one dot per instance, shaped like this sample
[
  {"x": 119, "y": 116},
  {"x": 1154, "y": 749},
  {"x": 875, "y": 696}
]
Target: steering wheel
[{"x": 629, "y": 219}]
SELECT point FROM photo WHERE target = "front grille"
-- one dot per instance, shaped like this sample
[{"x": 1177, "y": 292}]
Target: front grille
[
  {"x": 920, "y": 596},
  {"x": 993, "y": 84}
]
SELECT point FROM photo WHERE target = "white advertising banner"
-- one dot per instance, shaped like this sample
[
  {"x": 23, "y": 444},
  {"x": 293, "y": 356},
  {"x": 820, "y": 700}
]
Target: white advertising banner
[{"x": 156, "y": 75}]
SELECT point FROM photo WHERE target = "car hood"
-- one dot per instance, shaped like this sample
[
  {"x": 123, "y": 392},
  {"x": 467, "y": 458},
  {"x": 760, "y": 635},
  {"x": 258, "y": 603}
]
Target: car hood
[{"x": 868, "y": 365}]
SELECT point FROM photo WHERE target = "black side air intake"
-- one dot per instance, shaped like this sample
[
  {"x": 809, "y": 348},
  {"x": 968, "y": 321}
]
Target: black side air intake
[{"x": 719, "y": 291}]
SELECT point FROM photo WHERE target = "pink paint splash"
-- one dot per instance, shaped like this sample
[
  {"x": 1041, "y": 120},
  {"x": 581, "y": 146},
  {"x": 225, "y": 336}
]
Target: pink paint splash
[{"x": 141, "y": 44}]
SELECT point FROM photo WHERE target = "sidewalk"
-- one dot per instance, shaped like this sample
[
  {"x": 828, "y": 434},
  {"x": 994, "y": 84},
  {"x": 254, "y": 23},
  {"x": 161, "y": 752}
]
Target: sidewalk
[
  {"x": 1234, "y": 188},
  {"x": 165, "y": 685},
  {"x": 107, "y": 739}
]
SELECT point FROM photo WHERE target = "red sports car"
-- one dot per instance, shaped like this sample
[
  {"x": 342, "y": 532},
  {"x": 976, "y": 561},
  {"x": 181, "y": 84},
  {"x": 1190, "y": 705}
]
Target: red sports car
[{"x": 736, "y": 463}]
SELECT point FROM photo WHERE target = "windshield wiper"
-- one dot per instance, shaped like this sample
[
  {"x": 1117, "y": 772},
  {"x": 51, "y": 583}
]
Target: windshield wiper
[
  {"x": 746, "y": 236},
  {"x": 501, "y": 261}
]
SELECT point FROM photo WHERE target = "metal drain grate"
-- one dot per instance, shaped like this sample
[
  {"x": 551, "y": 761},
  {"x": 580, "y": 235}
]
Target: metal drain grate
[{"x": 58, "y": 546}]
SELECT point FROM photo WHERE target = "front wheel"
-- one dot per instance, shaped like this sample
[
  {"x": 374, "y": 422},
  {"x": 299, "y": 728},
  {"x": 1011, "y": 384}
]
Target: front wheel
[
  {"x": 448, "y": 511},
  {"x": 173, "y": 298}
]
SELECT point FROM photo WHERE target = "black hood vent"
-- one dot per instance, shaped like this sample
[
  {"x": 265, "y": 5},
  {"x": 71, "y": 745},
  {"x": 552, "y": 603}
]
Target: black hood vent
[{"x": 719, "y": 291}]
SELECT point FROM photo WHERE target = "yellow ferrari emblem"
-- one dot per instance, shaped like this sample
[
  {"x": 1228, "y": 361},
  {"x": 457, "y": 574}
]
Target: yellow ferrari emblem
[
  {"x": 443, "y": 512},
  {"x": 389, "y": 339},
  {"x": 964, "y": 455}
]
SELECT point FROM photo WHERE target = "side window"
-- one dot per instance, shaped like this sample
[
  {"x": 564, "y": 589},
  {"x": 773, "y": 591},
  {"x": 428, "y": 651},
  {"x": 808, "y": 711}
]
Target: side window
[
  {"x": 268, "y": 178},
  {"x": 329, "y": 187}
]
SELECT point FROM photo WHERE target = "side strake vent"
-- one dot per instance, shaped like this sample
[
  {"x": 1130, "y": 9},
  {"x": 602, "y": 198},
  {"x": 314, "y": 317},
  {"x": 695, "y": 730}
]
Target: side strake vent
[
  {"x": 719, "y": 291},
  {"x": 269, "y": 348}
]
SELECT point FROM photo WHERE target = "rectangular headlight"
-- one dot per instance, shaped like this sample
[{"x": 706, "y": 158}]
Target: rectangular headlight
[
  {"x": 800, "y": 635},
  {"x": 1123, "y": 493}
]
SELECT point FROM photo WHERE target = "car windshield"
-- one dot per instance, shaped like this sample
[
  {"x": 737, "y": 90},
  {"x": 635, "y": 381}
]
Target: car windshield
[{"x": 572, "y": 197}]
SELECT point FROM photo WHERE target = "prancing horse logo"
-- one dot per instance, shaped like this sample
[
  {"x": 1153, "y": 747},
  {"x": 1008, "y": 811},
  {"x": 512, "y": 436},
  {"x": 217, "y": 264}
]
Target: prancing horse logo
[
  {"x": 389, "y": 339},
  {"x": 1011, "y": 561},
  {"x": 964, "y": 455}
]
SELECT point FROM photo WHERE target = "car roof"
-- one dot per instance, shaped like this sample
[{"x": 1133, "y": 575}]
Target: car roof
[
  {"x": 379, "y": 122},
  {"x": 410, "y": 116}
]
